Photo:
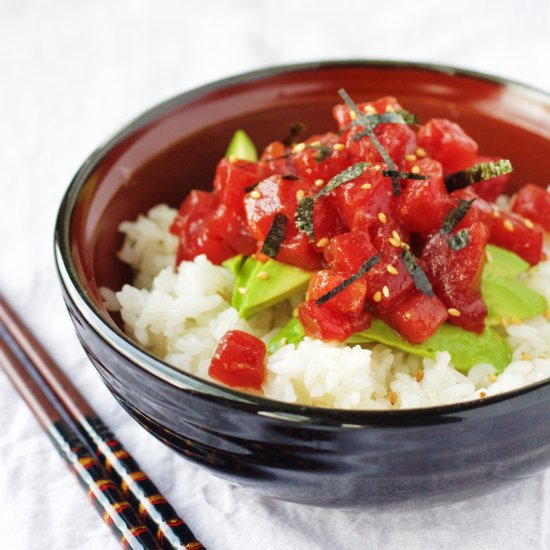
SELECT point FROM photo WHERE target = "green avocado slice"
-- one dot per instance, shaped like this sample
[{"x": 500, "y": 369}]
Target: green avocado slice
[
  {"x": 291, "y": 333},
  {"x": 277, "y": 282},
  {"x": 242, "y": 147},
  {"x": 503, "y": 263},
  {"x": 234, "y": 264},
  {"x": 466, "y": 348},
  {"x": 507, "y": 297}
]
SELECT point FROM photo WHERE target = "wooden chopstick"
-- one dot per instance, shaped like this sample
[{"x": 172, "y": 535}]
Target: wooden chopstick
[
  {"x": 51, "y": 396},
  {"x": 105, "y": 496}
]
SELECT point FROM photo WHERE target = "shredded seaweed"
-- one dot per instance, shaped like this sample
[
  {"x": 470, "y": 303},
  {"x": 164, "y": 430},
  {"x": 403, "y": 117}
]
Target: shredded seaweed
[
  {"x": 251, "y": 187},
  {"x": 296, "y": 128},
  {"x": 478, "y": 172},
  {"x": 290, "y": 177},
  {"x": 404, "y": 175},
  {"x": 399, "y": 117},
  {"x": 455, "y": 216},
  {"x": 275, "y": 236},
  {"x": 303, "y": 217},
  {"x": 322, "y": 154},
  {"x": 367, "y": 266},
  {"x": 459, "y": 241},
  {"x": 418, "y": 276},
  {"x": 350, "y": 173},
  {"x": 363, "y": 120}
]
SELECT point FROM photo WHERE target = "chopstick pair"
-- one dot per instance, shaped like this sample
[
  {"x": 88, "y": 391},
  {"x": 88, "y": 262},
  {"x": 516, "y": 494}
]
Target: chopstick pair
[{"x": 128, "y": 501}]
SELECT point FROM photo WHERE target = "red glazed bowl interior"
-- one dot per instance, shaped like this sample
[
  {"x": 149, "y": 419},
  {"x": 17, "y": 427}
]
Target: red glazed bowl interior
[
  {"x": 175, "y": 147},
  {"x": 312, "y": 455}
]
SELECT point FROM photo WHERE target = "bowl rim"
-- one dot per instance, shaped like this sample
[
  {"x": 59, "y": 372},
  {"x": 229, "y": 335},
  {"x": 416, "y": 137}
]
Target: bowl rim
[{"x": 141, "y": 358}]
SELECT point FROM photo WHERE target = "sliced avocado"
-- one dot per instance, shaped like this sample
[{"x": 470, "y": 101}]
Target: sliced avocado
[
  {"x": 242, "y": 147},
  {"x": 291, "y": 333},
  {"x": 234, "y": 264},
  {"x": 503, "y": 263},
  {"x": 508, "y": 297},
  {"x": 260, "y": 285},
  {"x": 466, "y": 348}
]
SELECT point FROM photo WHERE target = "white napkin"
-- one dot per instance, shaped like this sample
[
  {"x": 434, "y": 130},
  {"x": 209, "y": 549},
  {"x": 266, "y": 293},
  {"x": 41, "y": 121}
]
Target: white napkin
[{"x": 71, "y": 73}]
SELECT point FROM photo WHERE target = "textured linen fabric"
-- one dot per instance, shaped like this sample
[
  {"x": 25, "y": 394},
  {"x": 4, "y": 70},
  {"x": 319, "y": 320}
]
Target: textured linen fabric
[{"x": 71, "y": 73}]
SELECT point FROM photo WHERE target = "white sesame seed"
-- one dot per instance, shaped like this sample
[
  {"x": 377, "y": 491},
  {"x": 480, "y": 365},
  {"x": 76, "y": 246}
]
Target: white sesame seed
[
  {"x": 410, "y": 158},
  {"x": 528, "y": 223},
  {"x": 243, "y": 290},
  {"x": 321, "y": 243},
  {"x": 366, "y": 186},
  {"x": 508, "y": 225},
  {"x": 339, "y": 147},
  {"x": 255, "y": 194},
  {"x": 319, "y": 183},
  {"x": 453, "y": 312},
  {"x": 300, "y": 195},
  {"x": 382, "y": 217},
  {"x": 299, "y": 147},
  {"x": 421, "y": 152},
  {"x": 385, "y": 291},
  {"x": 393, "y": 270},
  {"x": 377, "y": 296},
  {"x": 415, "y": 169},
  {"x": 263, "y": 275},
  {"x": 394, "y": 242}
]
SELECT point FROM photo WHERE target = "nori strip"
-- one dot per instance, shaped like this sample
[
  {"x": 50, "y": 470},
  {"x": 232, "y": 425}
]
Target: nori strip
[
  {"x": 399, "y": 117},
  {"x": 459, "y": 241},
  {"x": 275, "y": 236},
  {"x": 303, "y": 217},
  {"x": 363, "y": 120},
  {"x": 404, "y": 175},
  {"x": 290, "y": 177},
  {"x": 418, "y": 276},
  {"x": 455, "y": 216},
  {"x": 323, "y": 152},
  {"x": 367, "y": 266},
  {"x": 478, "y": 172},
  {"x": 251, "y": 187},
  {"x": 296, "y": 128},
  {"x": 350, "y": 173}
]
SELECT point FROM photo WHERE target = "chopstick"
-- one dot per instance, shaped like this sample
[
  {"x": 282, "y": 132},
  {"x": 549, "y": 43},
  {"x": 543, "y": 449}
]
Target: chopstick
[{"x": 75, "y": 429}]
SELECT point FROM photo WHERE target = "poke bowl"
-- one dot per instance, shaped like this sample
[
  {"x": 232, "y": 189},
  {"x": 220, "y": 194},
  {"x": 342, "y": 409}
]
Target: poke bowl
[{"x": 397, "y": 450}]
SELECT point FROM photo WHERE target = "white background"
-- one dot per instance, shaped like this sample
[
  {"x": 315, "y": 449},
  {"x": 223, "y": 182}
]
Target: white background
[{"x": 70, "y": 74}]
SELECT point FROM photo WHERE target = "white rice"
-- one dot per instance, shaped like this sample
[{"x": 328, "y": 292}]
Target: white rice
[{"x": 181, "y": 316}]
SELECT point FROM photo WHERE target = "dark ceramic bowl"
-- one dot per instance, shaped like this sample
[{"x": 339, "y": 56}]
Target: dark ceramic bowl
[{"x": 310, "y": 455}]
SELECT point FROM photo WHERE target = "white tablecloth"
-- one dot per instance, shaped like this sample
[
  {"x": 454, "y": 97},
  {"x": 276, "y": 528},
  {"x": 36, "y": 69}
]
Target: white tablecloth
[{"x": 70, "y": 74}]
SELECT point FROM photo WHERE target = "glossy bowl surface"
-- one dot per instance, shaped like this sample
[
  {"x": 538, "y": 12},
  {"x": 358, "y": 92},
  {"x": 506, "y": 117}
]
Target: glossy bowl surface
[{"x": 302, "y": 454}]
